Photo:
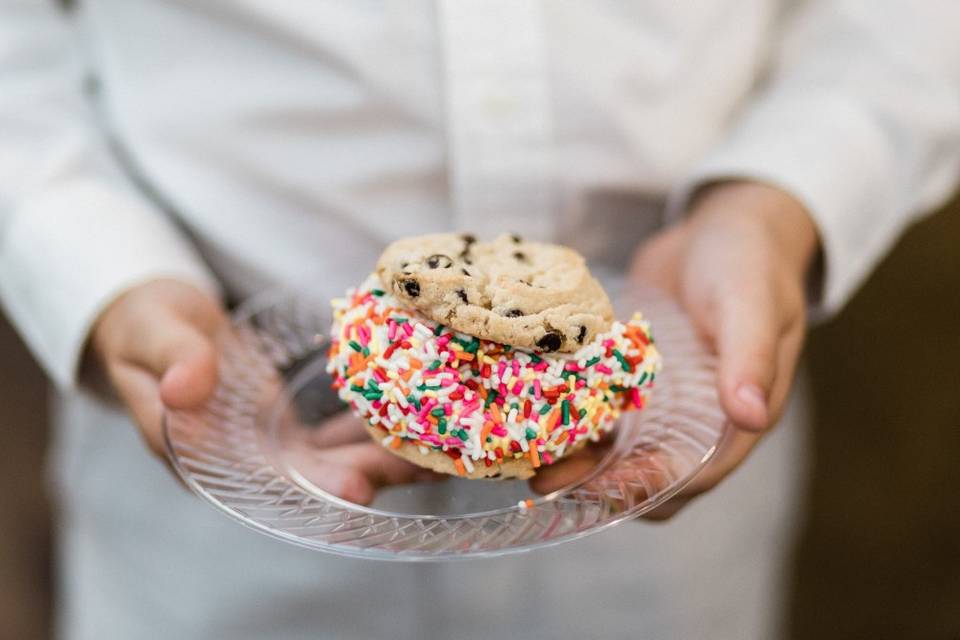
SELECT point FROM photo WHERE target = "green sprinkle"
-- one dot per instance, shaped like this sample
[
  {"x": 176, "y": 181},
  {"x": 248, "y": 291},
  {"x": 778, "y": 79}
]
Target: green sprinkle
[
  {"x": 507, "y": 347},
  {"x": 535, "y": 358},
  {"x": 415, "y": 401},
  {"x": 491, "y": 397},
  {"x": 437, "y": 413},
  {"x": 366, "y": 352},
  {"x": 623, "y": 361},
  {"x": 592, "y": 361},
  {"x": 489, "y": 439},
  {"x": 357, "y": 388},
  {"x": 377, "y": 292},
  {"x": 565, "y": 411},
  {"x": 616, "y": 388},
  {"x": 373, "y": 395},
  {"x": 643, "y": 378},
  {"x": 438, "y": 330},
  {"x": 400, "y": 320},
  {"x": 582, "y": 412},
  {"x": 545, "y": 409},
  {"x": 355, "y": 345},
  {"x": 434, "y": 365},
  {"x": 462, "y": 435},
  {"x": 514, "y": 405},
  {"x": 473, "y": 346},
  {"x": 442, "y": 427},
  {"x": 531, "y": 434}
]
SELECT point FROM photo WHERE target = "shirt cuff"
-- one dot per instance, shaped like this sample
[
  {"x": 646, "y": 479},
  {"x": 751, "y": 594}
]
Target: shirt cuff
[
  {"x": 827, "y": 154},
  {"x": 70, "y": 251}
]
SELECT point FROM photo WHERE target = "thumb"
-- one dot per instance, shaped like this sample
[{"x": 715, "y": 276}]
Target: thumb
[
  {"x": 747, "y": 333},
  {"x": 190, "y": 374},
  {"x": 182, "y": 357}
]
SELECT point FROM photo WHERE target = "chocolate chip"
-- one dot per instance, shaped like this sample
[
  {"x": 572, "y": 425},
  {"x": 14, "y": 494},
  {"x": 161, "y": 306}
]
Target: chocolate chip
[
  {"x": 529, "y": 284},
  {"x": 582, "y": 334},
  {"x": 463, "y": 296},
  {"x": 513, "y": 313},
  {"x": 468, "y": 239},
  {"x": 411, "y": 286},
  {"x": 551, "y": 341},
  {"x": 520, "y": 255},
  {"x": 438, "y": 260},
  {"x": 517, "y": 239},
  {"x": 465, "y": 272}
]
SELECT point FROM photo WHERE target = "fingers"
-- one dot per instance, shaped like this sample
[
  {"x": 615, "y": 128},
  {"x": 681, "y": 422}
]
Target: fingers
[
  {"x": 139, "y": 390},
  {"x": 355, "y": 471}
]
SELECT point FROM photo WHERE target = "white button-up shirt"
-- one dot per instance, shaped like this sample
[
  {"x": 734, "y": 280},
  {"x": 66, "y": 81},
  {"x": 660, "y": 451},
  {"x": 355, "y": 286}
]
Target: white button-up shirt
[{"x": 239, "y": 144}]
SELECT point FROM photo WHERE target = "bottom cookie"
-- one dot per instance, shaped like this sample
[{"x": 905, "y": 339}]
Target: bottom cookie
[{"x": 440, "y": 462}]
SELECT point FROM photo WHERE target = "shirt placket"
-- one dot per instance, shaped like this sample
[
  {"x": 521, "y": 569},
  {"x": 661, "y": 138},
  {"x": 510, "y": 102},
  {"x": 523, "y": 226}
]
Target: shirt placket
[{"x": 498, "y": 115}]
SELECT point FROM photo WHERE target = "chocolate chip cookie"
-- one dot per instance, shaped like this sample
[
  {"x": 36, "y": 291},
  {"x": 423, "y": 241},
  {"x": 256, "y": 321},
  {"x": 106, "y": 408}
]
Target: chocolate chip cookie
[{"x": 526, "y": 294}]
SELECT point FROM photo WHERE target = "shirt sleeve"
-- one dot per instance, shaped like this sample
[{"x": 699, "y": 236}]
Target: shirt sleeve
[
  {"x": 74, "y": 232},
  {"x": 859, "y": 120}
]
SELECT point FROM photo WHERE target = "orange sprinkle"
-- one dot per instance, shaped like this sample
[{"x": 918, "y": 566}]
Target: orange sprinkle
[
  {"x": 534, "y": 456},
  {"x": 597, "y": 416},
  {"x": 405, "y": 374},
  {"x": 553, "y": 420},
  {"x": 414, "y": 363},
  {"x": 464, "y": 355},
  {"x": 485, "y": 433},
  {"x": 495, "y": 412},
  {"x": 482, "y": 391},
  {"x": 396, "y": 443},
  {"x": 432, "y": 419},
  {"x": 461, "y": 470}
]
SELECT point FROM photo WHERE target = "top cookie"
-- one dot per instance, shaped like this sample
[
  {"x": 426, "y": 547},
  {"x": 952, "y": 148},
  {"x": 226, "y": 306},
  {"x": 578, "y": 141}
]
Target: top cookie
[{"x": 525, "y": 294}]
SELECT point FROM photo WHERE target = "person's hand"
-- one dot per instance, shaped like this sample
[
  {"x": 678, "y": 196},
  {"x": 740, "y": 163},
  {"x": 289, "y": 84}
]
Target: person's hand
[
  {"x": 738, "y": 265},
  {"x": 156, "y": 346}
]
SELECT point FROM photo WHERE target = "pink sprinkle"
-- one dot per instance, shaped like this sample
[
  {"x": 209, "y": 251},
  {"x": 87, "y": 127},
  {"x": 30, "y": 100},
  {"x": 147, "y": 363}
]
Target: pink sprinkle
[
  {"x": 448, "y": 382},
  {"x": 537, "y": 390},
  {"x": 376, "y": 404},
  {"x": 448, "y": 409},
  {"x": 602, "y": 368},
  {"x": 502, "y": 389},
  {"x": 364, "y": 335},
  {"x": 501, "y": 368},
  {"x": 547, "y": 458},
  {"x": 581, "y": 383},
  {"x": 517, "y": 388},
  {"x": 443, "y": 340},
  {"x": 407, "y": 329},
  {"x": 469, "y": 408},
  {"x": 499, "y": 431},
  {"x": 391, "y": 330},
  {"x": 541, "y": 366},
  {"x": 635, "y": 395},
  {"x": 379, "y": 376},
  {"x": 516, "y": 368},
  {"x": 453, "y": 442},
  {"x": 572, "y": 366},
  {"x": 608, "y": 342}
]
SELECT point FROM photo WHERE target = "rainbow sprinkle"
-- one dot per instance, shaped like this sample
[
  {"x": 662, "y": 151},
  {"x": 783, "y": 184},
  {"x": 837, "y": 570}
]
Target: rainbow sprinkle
[{"x": 480, "y": 401}]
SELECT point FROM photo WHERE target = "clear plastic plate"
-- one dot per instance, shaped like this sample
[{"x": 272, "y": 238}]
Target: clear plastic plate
[{"x": 263, "y": 452}]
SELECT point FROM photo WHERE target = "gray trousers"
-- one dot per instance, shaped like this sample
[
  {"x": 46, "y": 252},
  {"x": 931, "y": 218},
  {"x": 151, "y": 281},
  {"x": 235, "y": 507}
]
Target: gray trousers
[{"x": 140, "y": 558}]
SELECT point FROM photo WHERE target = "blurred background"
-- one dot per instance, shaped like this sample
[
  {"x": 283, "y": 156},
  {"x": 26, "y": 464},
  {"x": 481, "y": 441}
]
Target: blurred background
[{"x": 879, "y": 554}]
